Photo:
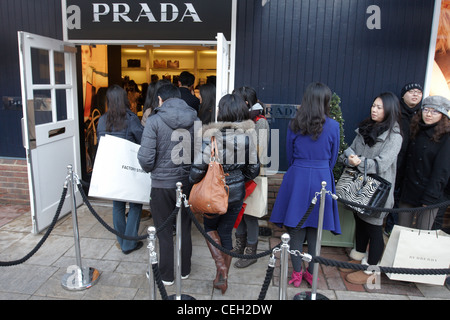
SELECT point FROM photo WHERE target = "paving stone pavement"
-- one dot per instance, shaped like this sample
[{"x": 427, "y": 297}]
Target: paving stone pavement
[{"x": 123, "y": 277}]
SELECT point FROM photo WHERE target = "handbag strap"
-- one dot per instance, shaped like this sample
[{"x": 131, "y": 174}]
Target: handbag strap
[
  {"x": 377, "y": 168},
  {"x": 214, "y": 149}
]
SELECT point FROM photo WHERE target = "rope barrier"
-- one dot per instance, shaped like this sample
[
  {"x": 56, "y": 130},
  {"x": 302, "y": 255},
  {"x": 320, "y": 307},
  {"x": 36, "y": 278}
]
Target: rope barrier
[
  {"x": 267, "y": 279},
  {"x": 169, "y": 220},
  {"x": 270, "y": 269},
  {"x": 363, "y": 267},
  {"x": 44, "y": 238},
  {"x": 159, "y": 283},
  {"x": 395, "y": 210}
]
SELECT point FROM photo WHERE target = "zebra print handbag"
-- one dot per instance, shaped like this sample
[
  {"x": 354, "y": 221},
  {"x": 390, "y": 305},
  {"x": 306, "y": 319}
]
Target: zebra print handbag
[{"x": 364, "y": 189}]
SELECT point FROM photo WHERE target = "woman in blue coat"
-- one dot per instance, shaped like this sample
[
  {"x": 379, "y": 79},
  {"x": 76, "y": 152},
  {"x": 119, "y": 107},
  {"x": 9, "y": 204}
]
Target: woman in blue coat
[{"x": 312, "y": 147}]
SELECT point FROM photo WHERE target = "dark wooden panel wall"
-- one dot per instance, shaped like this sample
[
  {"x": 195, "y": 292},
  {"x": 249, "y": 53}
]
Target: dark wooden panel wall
[
  {"x": 287, "y": 44},
  {"x": 42, "y": 17}
]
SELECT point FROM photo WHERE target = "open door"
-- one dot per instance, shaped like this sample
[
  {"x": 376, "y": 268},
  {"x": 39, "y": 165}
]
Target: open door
[
  {"x": 50, "y": 122},
  {"x": 223, "y": 68}
]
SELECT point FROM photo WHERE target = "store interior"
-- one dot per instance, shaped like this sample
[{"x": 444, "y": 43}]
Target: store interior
[
  {"x": 139, "y": 64},
  {"x": 144, "y": 64}
]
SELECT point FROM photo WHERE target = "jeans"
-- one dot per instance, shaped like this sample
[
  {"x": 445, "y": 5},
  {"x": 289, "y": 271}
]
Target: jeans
[
  {"x": 127, "y": 226},
  {"x": 224, "y": 224}
]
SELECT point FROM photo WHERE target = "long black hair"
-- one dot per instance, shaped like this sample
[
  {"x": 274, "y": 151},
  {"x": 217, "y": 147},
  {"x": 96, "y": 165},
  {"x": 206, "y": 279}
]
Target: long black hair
[
  {"x": 371, "y": 129},
  {"x": 117, "y": 103},
  {"x": 313, "y": 111},
  {"x": 249, "y": 96},
  {"x": 207, "y": 110},
  {"x": 232, "y": 108}
]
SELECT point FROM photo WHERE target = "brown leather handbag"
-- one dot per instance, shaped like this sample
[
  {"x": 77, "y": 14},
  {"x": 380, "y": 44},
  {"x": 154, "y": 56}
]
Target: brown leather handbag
[{"x": 210, "y": 195}]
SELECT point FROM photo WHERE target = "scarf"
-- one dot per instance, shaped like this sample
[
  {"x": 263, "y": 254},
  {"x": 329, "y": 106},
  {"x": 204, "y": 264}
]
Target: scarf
[
  {"x": 370, "y": 130},
  {"x": 407, "y": 112}
]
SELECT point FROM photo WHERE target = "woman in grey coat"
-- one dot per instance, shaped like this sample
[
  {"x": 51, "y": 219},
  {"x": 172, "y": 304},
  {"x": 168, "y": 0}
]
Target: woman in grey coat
[{"x": 378, "y": 139}]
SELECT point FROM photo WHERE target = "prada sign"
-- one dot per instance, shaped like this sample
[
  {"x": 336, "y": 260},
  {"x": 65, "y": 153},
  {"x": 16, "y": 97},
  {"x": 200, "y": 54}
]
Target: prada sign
[{"x": 135, "y": 20}]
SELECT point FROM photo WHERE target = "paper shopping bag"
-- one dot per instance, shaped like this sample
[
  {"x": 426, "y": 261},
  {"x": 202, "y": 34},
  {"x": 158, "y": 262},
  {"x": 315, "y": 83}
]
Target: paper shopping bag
[
  {"x": 420, "y": 249},
  {"x": 257, "y": 200},
  {"x": 117, "y": 174}
]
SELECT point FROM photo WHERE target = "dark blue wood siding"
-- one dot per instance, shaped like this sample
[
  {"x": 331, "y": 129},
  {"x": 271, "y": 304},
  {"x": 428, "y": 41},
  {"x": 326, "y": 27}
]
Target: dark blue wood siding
[
  {"x": 42, "y": 17},
  {"x": 287, "y": 44}
]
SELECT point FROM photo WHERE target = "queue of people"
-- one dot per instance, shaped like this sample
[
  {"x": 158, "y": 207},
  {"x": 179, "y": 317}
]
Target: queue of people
[{"x": 405, "y": 141}]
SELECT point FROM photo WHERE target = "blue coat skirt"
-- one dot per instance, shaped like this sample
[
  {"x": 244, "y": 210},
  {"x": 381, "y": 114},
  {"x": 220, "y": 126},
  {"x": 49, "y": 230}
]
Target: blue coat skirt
[{"x": 311, "y": 162}]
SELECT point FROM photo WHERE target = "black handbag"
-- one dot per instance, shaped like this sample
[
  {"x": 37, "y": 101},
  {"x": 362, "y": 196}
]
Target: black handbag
[{"x": 364, "y": 189}]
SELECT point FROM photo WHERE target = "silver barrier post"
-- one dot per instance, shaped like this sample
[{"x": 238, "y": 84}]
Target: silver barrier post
[
  {"x": 77, "y": 277},
  {"x": 178, "y": 295},
  {"x": 313, "y": 295},
  {"x": 284, "y": 265},
  {"x": 153, "y": 259}
]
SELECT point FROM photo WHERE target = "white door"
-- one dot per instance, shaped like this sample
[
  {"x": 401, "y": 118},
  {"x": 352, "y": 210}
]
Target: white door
[
  {"x": 50, "y": 123},
  {"x": 223, "y": 68}
]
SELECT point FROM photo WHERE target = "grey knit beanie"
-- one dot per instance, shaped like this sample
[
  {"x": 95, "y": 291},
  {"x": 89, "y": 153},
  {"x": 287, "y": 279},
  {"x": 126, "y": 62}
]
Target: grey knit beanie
[{"x": 438, "y": 103}]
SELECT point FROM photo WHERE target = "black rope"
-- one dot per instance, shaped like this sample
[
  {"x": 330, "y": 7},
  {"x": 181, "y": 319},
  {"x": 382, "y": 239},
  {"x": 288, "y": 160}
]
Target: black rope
[
  {"x": 225, "y": 250},
  {"x": 169, "y": 220},
  {"x": 159, "y": 283},
  {"x": 317, "y": 259},
  {"x": 383, "y": 269},
  {"x": 267, "y": 279},
  {"x": 394, "y": 210},
  {"x": 44, "y": 238}
]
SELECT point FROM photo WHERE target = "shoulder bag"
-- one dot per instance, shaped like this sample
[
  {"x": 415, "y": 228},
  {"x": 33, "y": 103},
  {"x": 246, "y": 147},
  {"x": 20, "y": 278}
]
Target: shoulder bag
[
  {"x": 363, "y": 189},
  {"x": 210, "y": 195}
]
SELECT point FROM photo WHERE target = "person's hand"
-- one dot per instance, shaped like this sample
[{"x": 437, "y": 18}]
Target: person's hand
[{"x": 354, "y": 160}]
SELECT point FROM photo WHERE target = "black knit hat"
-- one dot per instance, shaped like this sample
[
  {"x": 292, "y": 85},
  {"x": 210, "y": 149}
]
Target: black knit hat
[{"x": 410, "y": 86}]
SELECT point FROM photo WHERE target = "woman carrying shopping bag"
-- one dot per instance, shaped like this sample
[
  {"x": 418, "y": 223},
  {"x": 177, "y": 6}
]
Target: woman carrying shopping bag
[
  {"x": 374, "y": 151},
  {"x": 234, "y": 133},
  {"x": 247, "y": 231},
  {"x": 121, "y": 122}
]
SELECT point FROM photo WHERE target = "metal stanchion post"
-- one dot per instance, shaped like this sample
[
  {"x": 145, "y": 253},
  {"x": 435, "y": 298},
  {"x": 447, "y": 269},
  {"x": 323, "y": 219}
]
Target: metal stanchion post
[
  {"x": 77, "y": 277},
  {"x": 178, "y": 295},
  {"x": 284, "y": 265},
  {"x": 313, "y": 295},
  {"x": 153, "y": 259}
]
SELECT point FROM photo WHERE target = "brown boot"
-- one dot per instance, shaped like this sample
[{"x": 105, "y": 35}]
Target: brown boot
[
  {"x": 222, "y": 262},
  {"x": 358, "y": 277}
]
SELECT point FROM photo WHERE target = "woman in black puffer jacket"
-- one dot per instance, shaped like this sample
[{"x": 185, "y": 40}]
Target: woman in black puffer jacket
[{"x": 236, "y": 141}]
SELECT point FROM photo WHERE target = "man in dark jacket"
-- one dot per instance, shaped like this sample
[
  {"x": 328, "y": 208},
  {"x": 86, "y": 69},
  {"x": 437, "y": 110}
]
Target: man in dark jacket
[
  {"x": 166, "y": 151},
  {"x": 410, "y": 102},
  {"x": 186, "y": 84}
]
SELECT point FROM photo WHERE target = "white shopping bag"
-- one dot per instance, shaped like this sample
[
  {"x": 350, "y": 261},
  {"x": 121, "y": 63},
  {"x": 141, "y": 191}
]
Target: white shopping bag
[
  {"x": 418, "y": 249},
  {"x": 257, "y": 200},
  {"x": 117, "y": 174}
]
